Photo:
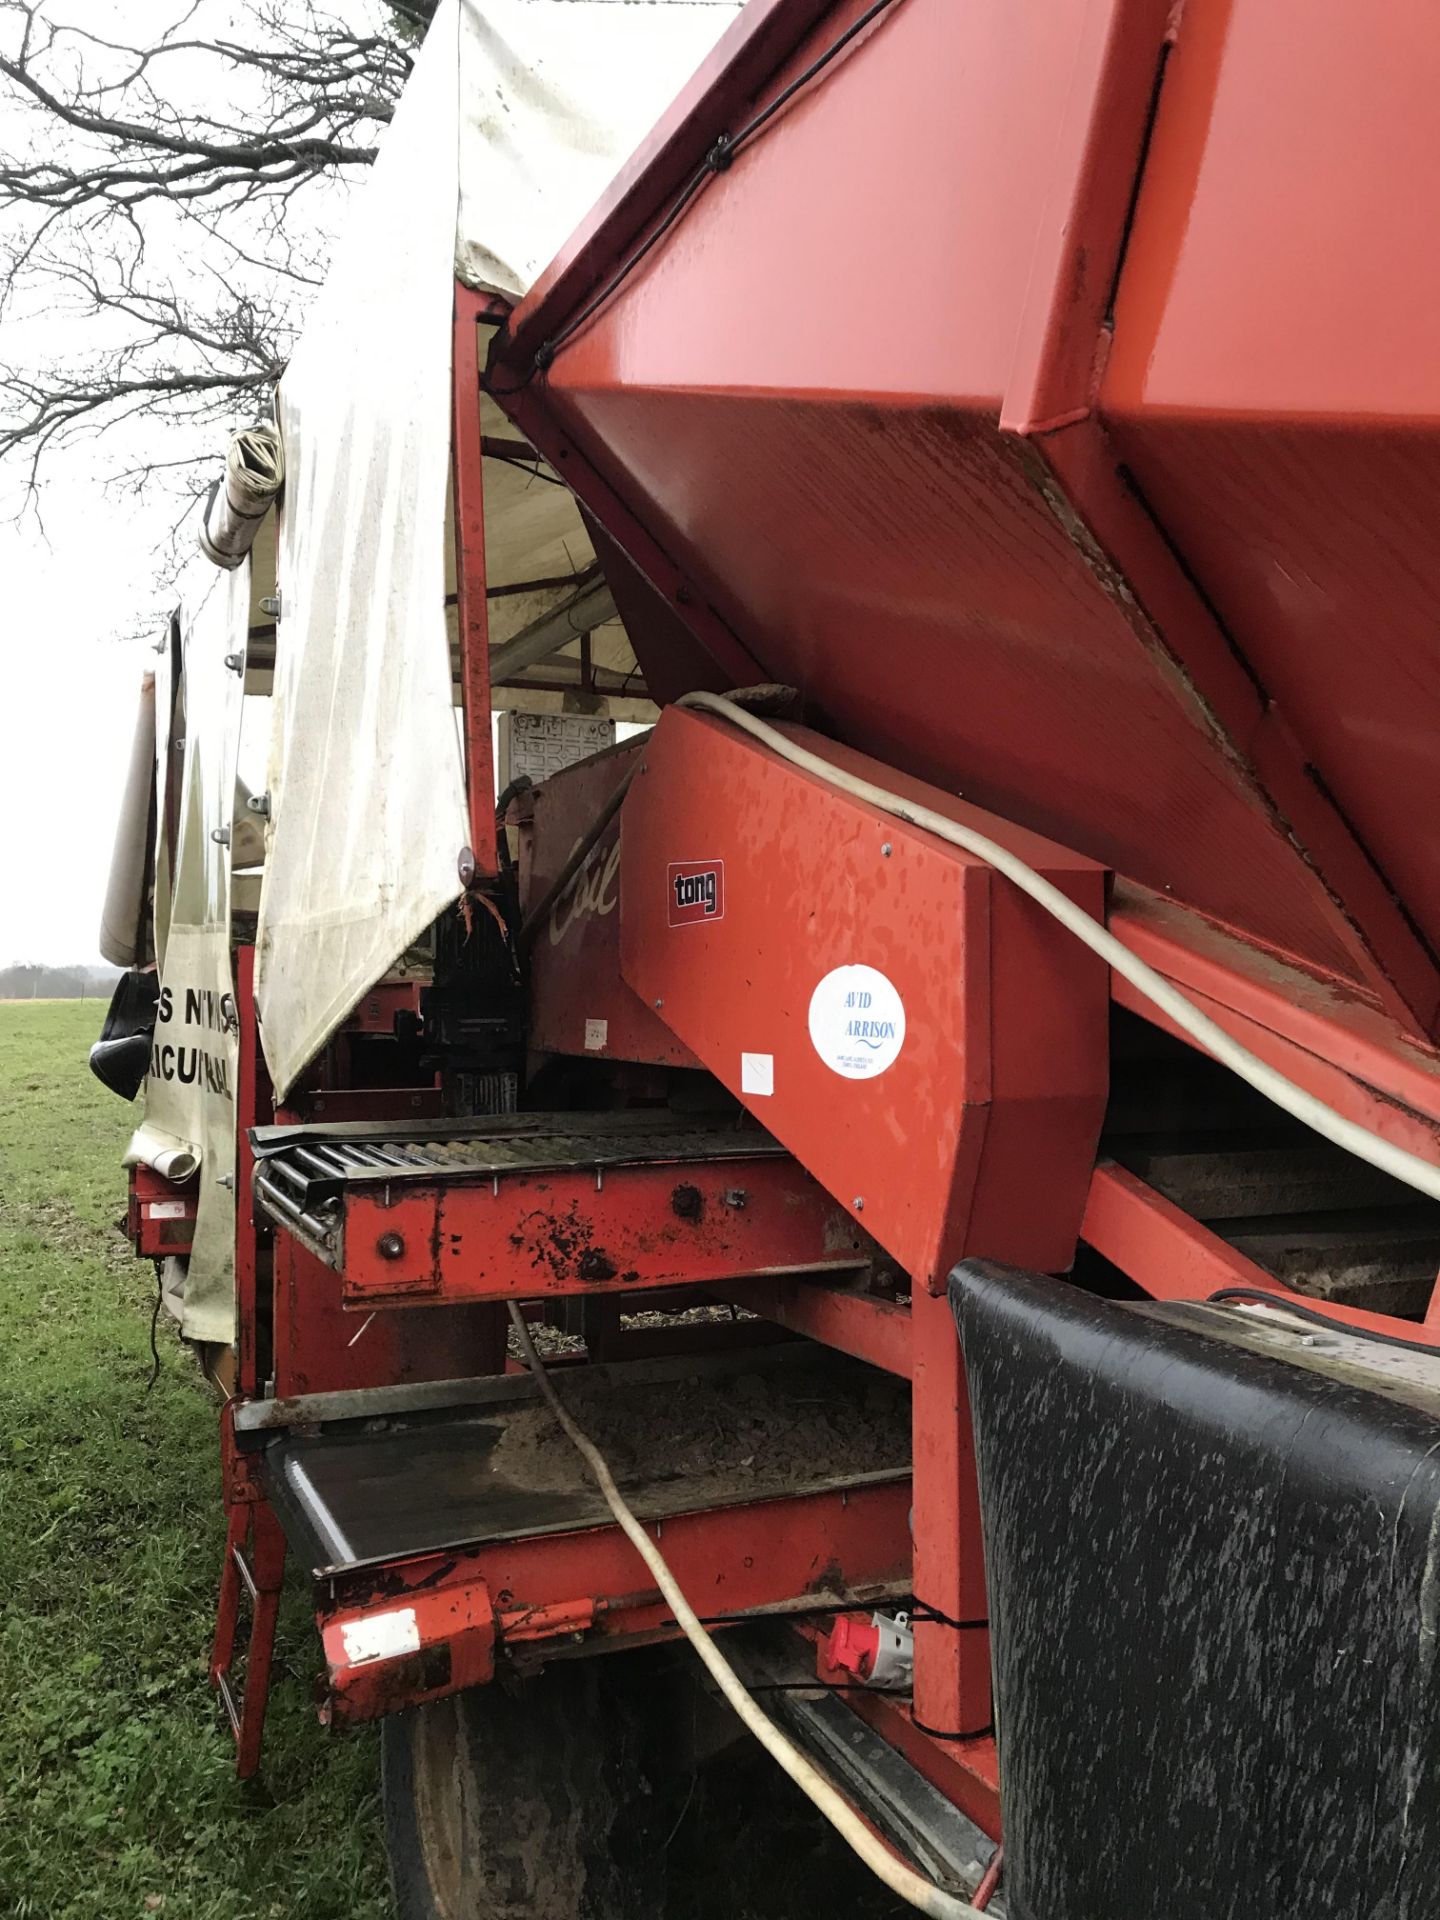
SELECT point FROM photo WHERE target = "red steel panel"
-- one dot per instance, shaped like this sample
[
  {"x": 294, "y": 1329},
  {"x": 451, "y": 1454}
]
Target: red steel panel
[
  {"x": 1274, "y": 384},
  {"x": 820, "y": 478},
  {"x": 871, "y": 1329},
  {"x": 254, "y": 1107},
  {"x": 160, "y": 1217},
  {"x": 578, "y": 1002},
  {"x": 952, "y": 1661},
  {"x": 532, "y": 1234},
  {"x": 1335, "y": 1044},
  {"x": 968, "y": 1126},
  {"x": 593, "y": 1585},
  {"x": 1169, "y": 1253},
  {"x": 319, "y": 1348},
  {"x": 388, "y": 1655}
]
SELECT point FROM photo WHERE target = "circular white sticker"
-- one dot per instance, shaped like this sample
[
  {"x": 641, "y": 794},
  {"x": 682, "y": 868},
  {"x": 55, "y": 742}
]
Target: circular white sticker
[{"x": 857, "y": 1022}]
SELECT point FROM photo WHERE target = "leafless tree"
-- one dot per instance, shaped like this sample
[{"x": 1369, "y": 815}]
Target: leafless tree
[{"x": 156, "y": 234}]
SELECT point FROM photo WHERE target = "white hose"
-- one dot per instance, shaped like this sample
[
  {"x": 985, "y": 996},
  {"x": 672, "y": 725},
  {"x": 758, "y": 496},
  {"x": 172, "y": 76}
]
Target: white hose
[
  {"x": 906, "y": 1884},
  {"x": 902, "y": 1881},
  {"x": 1205, "y": 1032}
]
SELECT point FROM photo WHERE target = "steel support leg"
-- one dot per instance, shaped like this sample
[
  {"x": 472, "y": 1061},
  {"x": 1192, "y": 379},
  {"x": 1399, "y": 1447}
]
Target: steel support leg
[{"x": 952, "y": 1662}]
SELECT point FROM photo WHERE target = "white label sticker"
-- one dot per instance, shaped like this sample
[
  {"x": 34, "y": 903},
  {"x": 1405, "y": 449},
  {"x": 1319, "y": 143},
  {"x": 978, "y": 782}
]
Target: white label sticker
[
  {"x": 857, "y": 1022},
  {"x": 757, "y": 1073},
  {"x": 165, "y": 1210},
  {"x": 597, "y": 1032},
  {"x": 383, "y": 1636}
]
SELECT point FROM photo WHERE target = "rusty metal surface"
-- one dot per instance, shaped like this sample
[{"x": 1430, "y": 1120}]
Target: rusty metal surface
[{"x": 557, "y": 1203}]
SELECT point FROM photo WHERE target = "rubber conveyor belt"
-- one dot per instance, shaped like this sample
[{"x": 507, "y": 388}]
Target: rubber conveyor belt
[{"x": 688, "y": 1434}]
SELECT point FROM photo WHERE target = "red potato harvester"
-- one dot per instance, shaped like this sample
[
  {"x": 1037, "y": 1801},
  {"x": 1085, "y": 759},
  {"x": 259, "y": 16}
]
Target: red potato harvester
[{"x": 959, "y": 1097}]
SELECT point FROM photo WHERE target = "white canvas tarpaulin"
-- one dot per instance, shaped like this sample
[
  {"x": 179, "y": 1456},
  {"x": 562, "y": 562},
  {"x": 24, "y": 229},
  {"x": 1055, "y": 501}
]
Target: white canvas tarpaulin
[
  {"x": 243, "y": 495},
  {"x": 514, "y": 121},
  {"x": 167, "y": 677},
  {"x": 122, "y": 919},
  {"x": 367, "y": 794},
  {"x": 555, "y": 97},
  {"x": 190, "y": 1088}
]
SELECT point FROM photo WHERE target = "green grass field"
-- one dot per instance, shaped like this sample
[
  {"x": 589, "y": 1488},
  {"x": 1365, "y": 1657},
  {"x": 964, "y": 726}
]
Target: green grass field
[{"x": 116, "y": 1790}]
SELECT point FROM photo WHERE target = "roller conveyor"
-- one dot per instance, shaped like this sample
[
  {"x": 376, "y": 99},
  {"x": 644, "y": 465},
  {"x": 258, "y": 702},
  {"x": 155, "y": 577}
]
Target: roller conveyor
[{"x": 513, "y": 1205}]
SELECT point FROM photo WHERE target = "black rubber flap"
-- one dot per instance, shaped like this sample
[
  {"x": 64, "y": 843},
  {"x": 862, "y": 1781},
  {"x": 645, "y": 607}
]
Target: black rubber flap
[
  {"x": 1213, "y": 1600},
  {"x": 120, "y": 1058}
]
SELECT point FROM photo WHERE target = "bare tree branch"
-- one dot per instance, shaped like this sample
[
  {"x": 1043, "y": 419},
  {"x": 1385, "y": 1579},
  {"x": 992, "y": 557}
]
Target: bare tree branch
[{"x": 148, "y": 205}]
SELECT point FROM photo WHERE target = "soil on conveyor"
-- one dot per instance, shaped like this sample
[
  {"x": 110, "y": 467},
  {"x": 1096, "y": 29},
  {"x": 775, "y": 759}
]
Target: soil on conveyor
[{"x": 738, "y": 1436}]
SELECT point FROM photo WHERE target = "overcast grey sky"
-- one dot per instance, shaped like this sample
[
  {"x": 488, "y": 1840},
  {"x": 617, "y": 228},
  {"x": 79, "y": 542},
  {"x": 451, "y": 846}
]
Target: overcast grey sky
[
  {"x": 69, "y": 691},
  {"x": 73, "y": 605}
]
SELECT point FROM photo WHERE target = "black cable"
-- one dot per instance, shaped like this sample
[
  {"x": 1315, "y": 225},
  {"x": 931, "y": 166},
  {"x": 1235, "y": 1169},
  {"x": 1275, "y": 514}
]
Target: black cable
[
  {"x": 817, "y": 67},
  {"x": 935, "y": 1733},
  {"x": 720, "y": 157},
  {"x": 507, "y": 393},
  {"x": 918, "y": 1610},
  {"x": 154, "y": 1324},
  {"x": 926, "y": 1613},
  {"x": 1286, "y": 1305},
  {"x": 548, "y": 349}
]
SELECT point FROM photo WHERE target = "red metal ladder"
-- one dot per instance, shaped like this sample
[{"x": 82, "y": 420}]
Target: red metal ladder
[{"x": 255, "y": 1566}]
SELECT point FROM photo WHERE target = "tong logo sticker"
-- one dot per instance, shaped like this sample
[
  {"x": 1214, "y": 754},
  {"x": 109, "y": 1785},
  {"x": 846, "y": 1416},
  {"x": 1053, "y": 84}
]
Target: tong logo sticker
[{"x": 696, "y": 891}]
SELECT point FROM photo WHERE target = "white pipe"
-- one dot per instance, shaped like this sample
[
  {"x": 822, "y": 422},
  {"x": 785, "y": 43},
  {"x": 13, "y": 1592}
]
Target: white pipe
[
  {"x": 907, "y": 1885},
  {"x": 902, "y": 1881},
  {"x": 1207, "y": 1033}
]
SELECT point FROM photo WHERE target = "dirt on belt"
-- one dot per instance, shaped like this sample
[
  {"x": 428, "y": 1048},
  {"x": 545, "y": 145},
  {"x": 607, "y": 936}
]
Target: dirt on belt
[{"x": 743, "y": 1435}]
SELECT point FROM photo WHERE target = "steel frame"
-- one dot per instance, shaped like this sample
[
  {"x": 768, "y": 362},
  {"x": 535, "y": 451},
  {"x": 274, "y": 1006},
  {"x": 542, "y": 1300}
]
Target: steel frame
[
  {"x": 547, "y": 1593},
  {"x": 945, "y": 1731},
  {"x": 471, "y": 606},
  {"x": 559, "y": 1592}
]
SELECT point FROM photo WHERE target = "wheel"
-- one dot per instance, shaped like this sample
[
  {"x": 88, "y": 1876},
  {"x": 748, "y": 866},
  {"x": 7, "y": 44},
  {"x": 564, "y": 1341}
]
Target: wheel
[
  {"x": 612, "y": 1788},
  {"x": 542, "y": 1799}
]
